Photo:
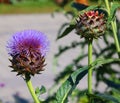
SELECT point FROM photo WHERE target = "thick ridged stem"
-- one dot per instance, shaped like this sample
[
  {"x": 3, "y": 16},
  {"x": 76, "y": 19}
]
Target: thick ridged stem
[
  {"x": 113, "y": 24},
  {"x": 31, "y": 89},
  {"x": 90, "y": 69}
]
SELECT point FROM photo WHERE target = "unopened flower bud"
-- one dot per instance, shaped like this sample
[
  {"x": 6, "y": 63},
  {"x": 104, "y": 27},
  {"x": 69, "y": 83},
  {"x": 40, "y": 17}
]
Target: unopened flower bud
[{"x": 91, "y": 25}]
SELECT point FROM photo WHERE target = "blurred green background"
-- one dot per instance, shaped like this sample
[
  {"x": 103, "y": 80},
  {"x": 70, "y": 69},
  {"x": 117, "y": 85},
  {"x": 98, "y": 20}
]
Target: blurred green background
[
  {"x": 26, "y": 6},
  {"x": 33, "y": 6}
]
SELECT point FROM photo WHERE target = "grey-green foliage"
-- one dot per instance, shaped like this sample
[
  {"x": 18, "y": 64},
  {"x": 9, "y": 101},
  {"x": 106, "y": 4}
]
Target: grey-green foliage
[
  {"x": 70, "y": 84},
  {"x": 104, "y": 66}
]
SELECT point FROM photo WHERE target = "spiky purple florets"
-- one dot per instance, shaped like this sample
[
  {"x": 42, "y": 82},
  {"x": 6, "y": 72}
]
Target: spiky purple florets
[
  {"x": 28, "y": 49},
  {"x": 26, "y": 40}
]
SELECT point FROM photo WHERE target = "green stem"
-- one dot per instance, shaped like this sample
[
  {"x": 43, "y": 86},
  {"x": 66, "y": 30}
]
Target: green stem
[
  {"x": 113, "y": 24},
  {"x": 107, "y": 6},
  {"x": 115, "y": 37},
  {"x": 31, "y": 89},
  {"x": 90, "y": 69}
]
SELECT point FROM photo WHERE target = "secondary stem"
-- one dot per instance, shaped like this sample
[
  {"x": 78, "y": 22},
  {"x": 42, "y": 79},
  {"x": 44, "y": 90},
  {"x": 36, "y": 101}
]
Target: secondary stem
[
  {"x": 31, "y": 89},
  {"x": 90, "y": 69},
  {"x": 107, "y": 6},
  {"x": 113, "y": 24},
  {"x": 115, "y": 38}
]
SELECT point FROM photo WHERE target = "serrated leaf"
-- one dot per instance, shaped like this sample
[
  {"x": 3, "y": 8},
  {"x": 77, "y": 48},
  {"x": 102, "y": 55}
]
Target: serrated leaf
[
  {"x": 42, "y": 90},
  {"x": 69, "y": 85},
  {"x": 66, "y": 31},
  {"x": 101, "y": 61},
  {"x": 113, "y": 9},
  {"x": 91, "y": 8},
  {"x": 63, "y": 49},
  {"x": 62, "y": 75},
  {"x": 63, "y": 26},
  {"x": 104, "y": 97},
  {"x": 112, "y": 84},
  {"x": 39, "y": 91},
  {"x": 116, "y": 93}
]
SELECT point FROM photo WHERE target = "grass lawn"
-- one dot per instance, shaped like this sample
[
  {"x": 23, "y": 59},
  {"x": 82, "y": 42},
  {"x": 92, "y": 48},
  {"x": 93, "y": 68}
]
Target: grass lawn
[{"x": 42, "y": 6}]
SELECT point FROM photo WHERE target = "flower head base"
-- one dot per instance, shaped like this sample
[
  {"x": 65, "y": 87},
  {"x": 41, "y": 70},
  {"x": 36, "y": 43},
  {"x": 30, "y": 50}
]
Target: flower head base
[
  {"x": 28, "y": 49},
  {"x": 91, "y": 25}
]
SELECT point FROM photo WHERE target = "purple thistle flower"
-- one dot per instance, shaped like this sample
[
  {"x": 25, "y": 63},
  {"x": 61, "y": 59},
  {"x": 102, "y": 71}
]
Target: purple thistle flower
[
  {"x": 27, "y": 39},
  {"x": 28, "y": 50}
]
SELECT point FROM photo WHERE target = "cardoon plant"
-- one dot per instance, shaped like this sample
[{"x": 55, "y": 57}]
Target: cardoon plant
[
  {"x": 90, "y": 25},
  {"x": 93, "y": 22},
  {"x": 28, "y": 49}
]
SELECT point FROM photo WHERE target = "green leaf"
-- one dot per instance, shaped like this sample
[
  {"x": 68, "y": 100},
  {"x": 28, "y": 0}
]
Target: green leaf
[
  {"x": 62, "y": 75},
  {"x": 112, "y": 84},
  {"x": 116, "y": 94},
  {"x": 63, "y": 49},
  {"x": 39, "y": 91},
  {"x": 104, "y": 97},
  {"x": 69, "y": 85},
  {"x": 91, "y": 8},
  {"x": 101, "y": 61},
  {"x": 66, "y": 31},
  {"x": 113, "y": 9},
  {"x": 42, "y": 90}
]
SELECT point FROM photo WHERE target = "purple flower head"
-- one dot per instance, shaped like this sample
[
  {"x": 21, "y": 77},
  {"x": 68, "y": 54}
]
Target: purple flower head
[
  {"x": 26, "y": 40},
  {"x": 28, "y": 50}
]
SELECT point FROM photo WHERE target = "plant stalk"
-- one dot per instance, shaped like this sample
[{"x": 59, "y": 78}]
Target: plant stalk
[
  {"x": 31, "y": 89},
  {"x": 114, "y": 29},
  {"x": 90, "y": 69}
]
